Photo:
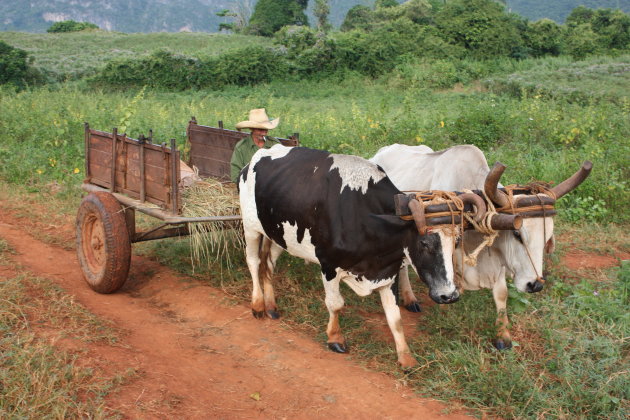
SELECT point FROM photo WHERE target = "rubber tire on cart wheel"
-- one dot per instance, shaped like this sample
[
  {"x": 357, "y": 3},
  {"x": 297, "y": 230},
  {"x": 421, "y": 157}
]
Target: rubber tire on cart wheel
[{"x": 103, "y": 244}]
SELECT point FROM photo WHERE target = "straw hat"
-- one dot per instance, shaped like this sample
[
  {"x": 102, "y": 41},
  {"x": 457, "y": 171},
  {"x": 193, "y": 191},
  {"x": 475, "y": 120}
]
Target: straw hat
[{"x": 258, "y": 119}]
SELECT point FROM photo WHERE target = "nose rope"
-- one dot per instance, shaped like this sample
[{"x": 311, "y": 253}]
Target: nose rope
[{"x": 529, "y": 255}]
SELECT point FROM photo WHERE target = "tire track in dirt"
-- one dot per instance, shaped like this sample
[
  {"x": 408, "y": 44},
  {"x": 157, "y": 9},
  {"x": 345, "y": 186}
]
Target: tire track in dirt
[{"x": 200, "y": 357}]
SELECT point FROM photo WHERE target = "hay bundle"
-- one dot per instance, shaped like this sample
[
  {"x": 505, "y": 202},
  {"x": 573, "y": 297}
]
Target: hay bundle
[{"x": 213, "y": 240}]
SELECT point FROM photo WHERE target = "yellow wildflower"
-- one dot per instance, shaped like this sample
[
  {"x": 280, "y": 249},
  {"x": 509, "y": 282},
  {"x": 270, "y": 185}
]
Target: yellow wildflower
[
  {"x": 442, "y": 124},
  {"x": 39, "y": 172},
  {"x": 76, "y": 170}
]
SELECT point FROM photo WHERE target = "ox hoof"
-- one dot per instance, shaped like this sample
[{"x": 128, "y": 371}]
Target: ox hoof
[
  {"x": 414, "y": 307},
  {"x": 258, "y": 314},
  {"x": 501, "y": 344},
  {"x": 338, "y": 347},
  {"x": 273, "y": 314}
]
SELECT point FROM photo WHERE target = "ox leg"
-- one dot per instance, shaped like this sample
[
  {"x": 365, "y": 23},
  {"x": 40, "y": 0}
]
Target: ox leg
[
  {"x": 503, "y": 340},
  {"x": 272, "y": 253},
  {"x": 253, "y": 243},
  {"x": 409, "y": 299},
  {"x": 392, "y": 313},
  {"x": 334, "y": 303}
]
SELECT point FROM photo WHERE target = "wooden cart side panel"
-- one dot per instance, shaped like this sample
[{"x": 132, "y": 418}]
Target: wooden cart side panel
[
  {"x": 157, "y": 167},
  {"x": 211, "y": 148}
]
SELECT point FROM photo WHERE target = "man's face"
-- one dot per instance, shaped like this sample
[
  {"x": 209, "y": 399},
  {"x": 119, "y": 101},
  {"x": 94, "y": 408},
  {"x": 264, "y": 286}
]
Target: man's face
[{"x": 258, "y": 136}]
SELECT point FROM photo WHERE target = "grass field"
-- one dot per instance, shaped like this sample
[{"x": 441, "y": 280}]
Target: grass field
[
  {"x": 571, "y": 358},
  {"x": 74, "y": 55}
]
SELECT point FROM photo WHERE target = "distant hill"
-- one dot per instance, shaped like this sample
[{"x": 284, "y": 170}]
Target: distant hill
[
  {"x": 200, "y": 15},
  {"x": 114, "y": 15},
  {"x": 558, "y": 10}
]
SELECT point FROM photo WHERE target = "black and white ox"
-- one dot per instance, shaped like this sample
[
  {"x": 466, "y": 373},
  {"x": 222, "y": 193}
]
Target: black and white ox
[
  {"x": 517, "y": 253},
  {"x": 337, "y": 211}
]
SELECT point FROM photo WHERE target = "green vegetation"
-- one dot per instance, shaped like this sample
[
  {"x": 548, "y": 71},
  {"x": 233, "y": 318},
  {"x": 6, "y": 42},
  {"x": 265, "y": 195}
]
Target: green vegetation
[
  {"x": 271, "y": 15},
  {"x": 74, "y": 55},
  {"x": 70, "y": 26},
  {"x": 15, "y": 67}
]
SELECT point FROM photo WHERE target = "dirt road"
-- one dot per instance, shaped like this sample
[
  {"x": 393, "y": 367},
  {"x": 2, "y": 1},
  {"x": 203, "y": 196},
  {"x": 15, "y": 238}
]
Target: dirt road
[{"x": 199, "y": 356}]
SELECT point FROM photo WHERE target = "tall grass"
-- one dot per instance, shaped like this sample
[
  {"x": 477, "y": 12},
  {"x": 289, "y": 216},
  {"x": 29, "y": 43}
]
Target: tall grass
[{"x": 537, "y": 137}]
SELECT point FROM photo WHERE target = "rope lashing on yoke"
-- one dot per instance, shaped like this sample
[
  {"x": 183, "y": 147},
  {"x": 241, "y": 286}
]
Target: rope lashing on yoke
[
  {"x": 484, "y": 227},
  {"x": 454, "y": 204}
]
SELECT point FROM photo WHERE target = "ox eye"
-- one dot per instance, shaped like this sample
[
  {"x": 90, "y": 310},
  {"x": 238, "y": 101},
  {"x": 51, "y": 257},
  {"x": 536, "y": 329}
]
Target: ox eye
[
  {"x": 424, "y": 244},
  {"x": 518, "y": 236}
]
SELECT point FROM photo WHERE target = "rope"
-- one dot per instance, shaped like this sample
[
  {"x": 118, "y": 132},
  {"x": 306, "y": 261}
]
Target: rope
[{"x": 485, "y": 227}]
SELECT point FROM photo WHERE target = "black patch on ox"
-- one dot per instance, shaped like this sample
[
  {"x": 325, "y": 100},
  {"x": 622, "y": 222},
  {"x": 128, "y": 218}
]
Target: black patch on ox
[{"x": 349, "y": 229}]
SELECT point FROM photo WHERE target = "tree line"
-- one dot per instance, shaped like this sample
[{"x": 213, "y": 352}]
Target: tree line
[{"x": 371, "y": 42}]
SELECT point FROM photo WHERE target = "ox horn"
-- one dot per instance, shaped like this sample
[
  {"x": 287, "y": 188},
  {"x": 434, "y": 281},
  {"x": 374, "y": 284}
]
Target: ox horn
[
  {"x": 572, "y": 183},
  {"x": 475, "y": 200},
  {"x": 491, "y": 185},
  {"x": 417, "y": 211}
]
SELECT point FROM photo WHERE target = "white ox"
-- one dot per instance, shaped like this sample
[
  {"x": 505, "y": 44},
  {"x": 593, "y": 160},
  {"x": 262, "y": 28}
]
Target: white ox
[{"x": 517, "y": 253}]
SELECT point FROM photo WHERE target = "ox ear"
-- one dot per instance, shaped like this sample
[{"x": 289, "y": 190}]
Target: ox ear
[{"x": 550, "y": 246}]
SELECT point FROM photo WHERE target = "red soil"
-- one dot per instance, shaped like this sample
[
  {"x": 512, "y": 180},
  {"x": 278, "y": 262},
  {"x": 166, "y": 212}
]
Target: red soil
[{"x": 196, "y": 355}]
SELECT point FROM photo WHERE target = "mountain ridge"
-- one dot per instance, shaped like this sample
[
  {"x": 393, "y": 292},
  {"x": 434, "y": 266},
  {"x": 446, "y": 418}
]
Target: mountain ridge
[{"x": 200, "y": 15}]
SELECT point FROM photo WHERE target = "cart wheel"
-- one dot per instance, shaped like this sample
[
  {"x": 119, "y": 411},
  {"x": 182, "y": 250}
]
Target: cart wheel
[{"x": 103, "y": 244}]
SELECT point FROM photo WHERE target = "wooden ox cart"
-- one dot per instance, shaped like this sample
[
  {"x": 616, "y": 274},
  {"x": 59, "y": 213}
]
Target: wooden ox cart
[{"x": 125, "y": 175}]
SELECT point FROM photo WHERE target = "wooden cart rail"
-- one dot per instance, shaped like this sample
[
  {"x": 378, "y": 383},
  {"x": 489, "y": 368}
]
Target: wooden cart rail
[
  {"x": 136, "y": 168},
  {"x": 156, "y": 212}
]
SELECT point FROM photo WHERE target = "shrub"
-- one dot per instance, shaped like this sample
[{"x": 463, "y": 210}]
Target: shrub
[
  {"x": 249, "y": 66},
  {"x": 358, "y": 17},
  {"x": 70, "y": 26},
  {"x": 296, "y": 39},
  {"x": 271, "y": 15},
  {"x": 480, "y": 26},
  {"x": 13, "y": 63},
  {"x": 544, "y": 37},
  {"x": 377, "y": 52},
  {"x": 161, "y": 69},
  {"x": 15, "y": 67}
]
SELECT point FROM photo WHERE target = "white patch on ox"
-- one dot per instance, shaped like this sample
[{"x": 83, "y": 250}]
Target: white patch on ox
[
  {"x": 304, "y": 249},
  {"x": 277, "y": 151},
  {"x": 356, "y": 172},
  {"x": 448, "y": 247},
  {"x": 363, "y": 286}
]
